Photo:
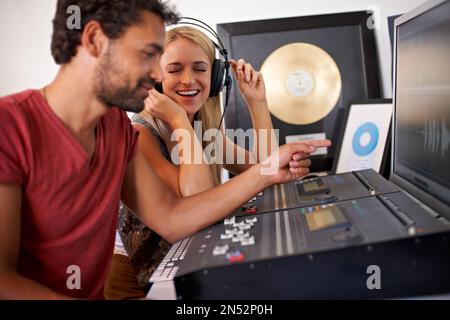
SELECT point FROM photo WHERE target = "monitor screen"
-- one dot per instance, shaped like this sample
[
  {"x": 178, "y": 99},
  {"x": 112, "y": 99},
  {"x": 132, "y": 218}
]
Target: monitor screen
[{"x": 422, "y": 102}]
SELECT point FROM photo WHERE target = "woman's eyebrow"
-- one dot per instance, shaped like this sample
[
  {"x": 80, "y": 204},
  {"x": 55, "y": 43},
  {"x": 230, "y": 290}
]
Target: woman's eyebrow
[
  {"x": 200, "y": 62},
  {"x": 179, "y": 63}
]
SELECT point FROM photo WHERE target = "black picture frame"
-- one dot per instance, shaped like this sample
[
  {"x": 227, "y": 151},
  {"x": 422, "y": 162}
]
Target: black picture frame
[
  {"x": 390, "y": 23},
  {"x": 237, "y": 115},
  {"x": 385, "y": 166}
]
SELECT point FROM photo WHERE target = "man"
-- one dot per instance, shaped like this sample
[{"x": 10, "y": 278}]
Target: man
[{"x": 68, "y": 155}]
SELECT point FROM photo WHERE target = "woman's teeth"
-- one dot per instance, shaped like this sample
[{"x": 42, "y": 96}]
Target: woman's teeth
[{"x": 189, "y": 93}]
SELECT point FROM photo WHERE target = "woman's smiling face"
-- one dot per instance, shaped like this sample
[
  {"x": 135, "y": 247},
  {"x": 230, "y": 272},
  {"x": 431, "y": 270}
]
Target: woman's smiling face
[{"x": 187, "y": 74}]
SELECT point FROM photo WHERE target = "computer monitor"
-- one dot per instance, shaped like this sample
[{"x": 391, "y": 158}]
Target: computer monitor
[{"x": 421, "y": 122}]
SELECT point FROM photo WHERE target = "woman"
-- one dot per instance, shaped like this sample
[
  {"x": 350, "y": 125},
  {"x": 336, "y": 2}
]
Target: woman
[{"x": 186, "y": 62}]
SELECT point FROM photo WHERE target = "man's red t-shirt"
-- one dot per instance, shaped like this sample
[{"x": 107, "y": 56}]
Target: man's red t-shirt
[{"x": 69, "y": 203}]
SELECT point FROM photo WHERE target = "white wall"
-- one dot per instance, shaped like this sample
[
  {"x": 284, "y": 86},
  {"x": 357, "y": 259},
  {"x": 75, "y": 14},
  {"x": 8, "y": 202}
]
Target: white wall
[{"x": 25, "y": 30}]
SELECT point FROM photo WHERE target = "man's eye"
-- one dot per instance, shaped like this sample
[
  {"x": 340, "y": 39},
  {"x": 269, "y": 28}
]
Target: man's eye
[
  {"x": 200, "y": 70},
  {"x": 150, "y": 55}
]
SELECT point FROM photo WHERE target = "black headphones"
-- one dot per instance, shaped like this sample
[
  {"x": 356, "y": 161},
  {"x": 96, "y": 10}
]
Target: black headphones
[{"x": 220, "y": 72}]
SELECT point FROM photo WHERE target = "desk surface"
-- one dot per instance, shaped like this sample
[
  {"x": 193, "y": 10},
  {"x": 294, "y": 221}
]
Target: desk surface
[{"x": 164, "y": 290}]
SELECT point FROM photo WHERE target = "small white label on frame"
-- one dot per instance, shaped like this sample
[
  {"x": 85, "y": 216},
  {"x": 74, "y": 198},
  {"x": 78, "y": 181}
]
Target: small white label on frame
[{"x": 310, "y": 136}]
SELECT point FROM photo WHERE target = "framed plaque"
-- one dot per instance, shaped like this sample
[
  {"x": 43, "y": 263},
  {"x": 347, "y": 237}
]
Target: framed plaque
[{"x": 364, "y": 142}]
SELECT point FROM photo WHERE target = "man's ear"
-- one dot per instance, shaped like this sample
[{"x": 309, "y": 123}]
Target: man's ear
[{"x": 93, "y": 39}]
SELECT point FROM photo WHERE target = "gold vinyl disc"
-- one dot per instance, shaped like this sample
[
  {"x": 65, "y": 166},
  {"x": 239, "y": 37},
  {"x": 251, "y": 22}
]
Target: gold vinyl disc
[{"x": 303, "y": 83}]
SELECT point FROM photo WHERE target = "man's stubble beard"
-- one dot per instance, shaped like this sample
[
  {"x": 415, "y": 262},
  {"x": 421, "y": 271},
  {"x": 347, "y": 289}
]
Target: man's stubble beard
[{"x": 113, "y": 89}]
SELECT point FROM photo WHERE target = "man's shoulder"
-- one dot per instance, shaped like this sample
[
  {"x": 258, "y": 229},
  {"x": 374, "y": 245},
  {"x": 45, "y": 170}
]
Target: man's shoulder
[
  {"x": 17, "y": 98},
  {"x": 15, "y": 103}
]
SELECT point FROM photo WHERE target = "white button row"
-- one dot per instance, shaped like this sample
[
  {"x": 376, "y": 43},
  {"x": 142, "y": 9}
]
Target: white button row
[
  {"x": 250, "y": 241},
  {"x": 251, "y": 220},
  {"x": 229, "y": 221},
  {"x": 226, "y": 236},
  {"x": 240, "y": 237},
  {"x": 220, "y": 250}
]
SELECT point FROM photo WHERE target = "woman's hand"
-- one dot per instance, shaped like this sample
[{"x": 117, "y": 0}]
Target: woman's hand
[
  {"x": 162, "y": 107},
  {"x": 251, "y": 83}
]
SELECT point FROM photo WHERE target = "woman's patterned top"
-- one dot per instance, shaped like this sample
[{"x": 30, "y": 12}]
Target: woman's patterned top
[{"x": 145, "y": 247}]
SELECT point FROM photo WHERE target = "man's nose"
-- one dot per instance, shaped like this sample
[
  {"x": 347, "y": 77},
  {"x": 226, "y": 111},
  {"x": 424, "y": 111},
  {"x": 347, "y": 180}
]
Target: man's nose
[{"x": 156, "y": 73}]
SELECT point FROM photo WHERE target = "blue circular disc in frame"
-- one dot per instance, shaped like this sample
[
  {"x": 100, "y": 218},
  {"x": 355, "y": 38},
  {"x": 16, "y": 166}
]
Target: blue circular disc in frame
[{"x": 370, "y": 129}]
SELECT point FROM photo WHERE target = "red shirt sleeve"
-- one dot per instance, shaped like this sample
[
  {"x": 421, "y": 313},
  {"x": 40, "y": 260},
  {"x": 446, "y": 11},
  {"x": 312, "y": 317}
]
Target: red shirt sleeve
[
  {"x": 12, "y": 154},
  {"x": 134, "y": 136}
]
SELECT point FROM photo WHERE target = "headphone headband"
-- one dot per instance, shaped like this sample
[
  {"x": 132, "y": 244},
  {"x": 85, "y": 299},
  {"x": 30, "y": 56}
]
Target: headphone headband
[
  {"x": 205, "y": 27},
  {"x": 198, "y": 23}
]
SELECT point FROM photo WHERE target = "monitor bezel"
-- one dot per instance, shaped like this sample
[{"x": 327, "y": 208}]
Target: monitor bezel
[{"x": 435, "y": 204}]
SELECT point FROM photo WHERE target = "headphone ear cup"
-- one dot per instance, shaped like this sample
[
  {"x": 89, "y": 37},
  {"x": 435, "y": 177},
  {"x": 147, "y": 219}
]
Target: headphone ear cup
[
  {"x": 217, "y": 76},
  {"x": 158, "y": 87}
]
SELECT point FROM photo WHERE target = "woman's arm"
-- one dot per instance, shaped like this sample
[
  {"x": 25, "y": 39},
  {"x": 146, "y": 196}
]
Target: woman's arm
[
  {"x": 251, "y": 85},
  {"x": 192, "y": 174},
  {"x": 166, "y": 171}
]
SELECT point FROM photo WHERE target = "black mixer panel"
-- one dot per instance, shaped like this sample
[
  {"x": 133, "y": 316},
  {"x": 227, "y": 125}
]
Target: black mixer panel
[{"x": 319, "y": 251}]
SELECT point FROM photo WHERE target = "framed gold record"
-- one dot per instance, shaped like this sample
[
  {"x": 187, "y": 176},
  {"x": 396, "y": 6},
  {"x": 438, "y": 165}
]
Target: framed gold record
[
  {"x": 303, "y": 83},
  {"x": 312, "y": 67}
]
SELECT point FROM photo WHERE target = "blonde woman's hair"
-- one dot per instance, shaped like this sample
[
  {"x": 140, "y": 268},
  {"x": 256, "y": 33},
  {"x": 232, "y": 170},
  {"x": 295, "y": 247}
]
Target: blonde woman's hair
[{"x": 210, "y": 113}]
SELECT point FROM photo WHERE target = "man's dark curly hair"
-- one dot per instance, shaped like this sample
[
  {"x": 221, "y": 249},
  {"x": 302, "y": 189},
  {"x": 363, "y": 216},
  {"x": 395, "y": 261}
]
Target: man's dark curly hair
[{"x": 115, "y": 16}]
